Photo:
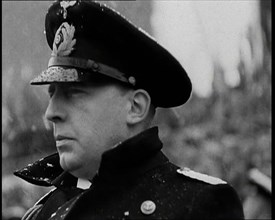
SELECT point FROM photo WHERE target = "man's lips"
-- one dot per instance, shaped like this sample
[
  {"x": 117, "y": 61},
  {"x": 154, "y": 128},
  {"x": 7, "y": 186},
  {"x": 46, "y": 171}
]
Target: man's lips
[
  {"x": 61, "y": 140},
  {"x": 62, "y": 137}
]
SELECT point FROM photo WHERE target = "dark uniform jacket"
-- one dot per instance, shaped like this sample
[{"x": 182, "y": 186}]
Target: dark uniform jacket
[{"x": 135, "y": 181}]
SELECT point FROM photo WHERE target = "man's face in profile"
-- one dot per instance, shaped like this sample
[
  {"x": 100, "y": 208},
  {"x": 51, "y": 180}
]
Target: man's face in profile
[{"x": 88, "y": 119}]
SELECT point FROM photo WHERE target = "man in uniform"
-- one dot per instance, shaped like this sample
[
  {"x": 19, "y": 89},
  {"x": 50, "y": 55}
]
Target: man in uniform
[{"x": 106, "y": 77}]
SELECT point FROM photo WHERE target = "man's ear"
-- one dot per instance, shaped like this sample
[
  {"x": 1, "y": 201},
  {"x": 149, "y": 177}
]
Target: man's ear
[{"x": 139, "y": 104}]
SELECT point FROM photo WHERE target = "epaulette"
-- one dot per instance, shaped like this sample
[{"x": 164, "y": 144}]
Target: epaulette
[
  {"x": 200, "y": 176},
  {"x": 260, "y": 179}
]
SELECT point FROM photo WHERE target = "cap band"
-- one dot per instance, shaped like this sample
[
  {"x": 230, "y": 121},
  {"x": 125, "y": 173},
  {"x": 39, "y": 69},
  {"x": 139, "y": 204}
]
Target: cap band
[{"x": 87, "y": 64}]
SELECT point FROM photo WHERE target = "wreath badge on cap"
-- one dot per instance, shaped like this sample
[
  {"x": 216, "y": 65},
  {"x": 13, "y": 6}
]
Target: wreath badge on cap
[
  {"x": 63, "y": 41},
  {"x": 65, "y": 5}
]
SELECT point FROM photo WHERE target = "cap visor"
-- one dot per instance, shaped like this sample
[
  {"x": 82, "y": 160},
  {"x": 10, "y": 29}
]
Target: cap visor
[{"x": 56, "y": 74}]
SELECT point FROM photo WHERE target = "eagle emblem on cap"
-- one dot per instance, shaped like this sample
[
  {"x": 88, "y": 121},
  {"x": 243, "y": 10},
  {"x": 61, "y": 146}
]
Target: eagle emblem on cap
[{"x": 63, "y": 43}]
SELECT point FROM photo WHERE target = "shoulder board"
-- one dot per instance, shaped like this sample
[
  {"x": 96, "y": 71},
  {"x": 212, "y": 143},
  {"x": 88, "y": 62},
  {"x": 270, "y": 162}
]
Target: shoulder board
[{"x": 200, "y": 176}]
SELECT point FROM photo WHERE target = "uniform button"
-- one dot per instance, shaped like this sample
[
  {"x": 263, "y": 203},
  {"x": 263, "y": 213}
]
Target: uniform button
[{"x": 148, "y": 207}]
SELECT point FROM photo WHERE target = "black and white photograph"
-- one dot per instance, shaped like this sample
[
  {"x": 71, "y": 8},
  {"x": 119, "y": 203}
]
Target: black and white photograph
[{"x": 157, "y": 109}]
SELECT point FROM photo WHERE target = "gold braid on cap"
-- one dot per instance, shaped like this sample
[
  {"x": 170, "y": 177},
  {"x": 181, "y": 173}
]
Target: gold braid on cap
[{"x": 89, "y": 64}]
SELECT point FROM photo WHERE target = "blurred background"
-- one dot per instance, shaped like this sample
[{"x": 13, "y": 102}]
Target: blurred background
[{"x": 225, "y": 128}]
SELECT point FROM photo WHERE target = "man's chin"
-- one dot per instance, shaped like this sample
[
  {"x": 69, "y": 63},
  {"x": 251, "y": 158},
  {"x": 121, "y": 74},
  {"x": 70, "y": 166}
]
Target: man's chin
[
  {"x": 78, "y": 168},
  {"x": 68, "y": 164}
]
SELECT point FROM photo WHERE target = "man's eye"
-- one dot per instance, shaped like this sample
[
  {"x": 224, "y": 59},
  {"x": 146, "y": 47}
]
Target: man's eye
[
  {"x": 73, "y": 91},
  {"x": 50, "y": 94},
  {"x": 51, "y": 91}
]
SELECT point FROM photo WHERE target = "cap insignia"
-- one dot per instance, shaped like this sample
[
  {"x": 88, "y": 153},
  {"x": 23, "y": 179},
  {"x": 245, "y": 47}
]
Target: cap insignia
[
  {"x": 63, "y": 40},
  {"x": 65, "y": 5},
  {"x": 200, "y": 176}
]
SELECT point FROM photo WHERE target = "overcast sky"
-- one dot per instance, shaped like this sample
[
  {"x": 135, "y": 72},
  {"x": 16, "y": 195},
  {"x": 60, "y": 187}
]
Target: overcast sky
[{"x": 200, "y": 32}]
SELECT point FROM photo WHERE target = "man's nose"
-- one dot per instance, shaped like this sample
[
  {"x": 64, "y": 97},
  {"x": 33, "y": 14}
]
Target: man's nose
[{"x": 55, "y": 111}]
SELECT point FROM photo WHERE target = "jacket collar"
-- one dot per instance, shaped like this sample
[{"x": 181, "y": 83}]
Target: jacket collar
[
  {"x": 132, "y": 157},
  {"x": 126, "y": 160},
  {"x": 46, "y": 172}
]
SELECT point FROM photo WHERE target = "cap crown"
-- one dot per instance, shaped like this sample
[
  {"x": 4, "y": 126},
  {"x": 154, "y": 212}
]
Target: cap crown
[{"x": 87, "y": 37}]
